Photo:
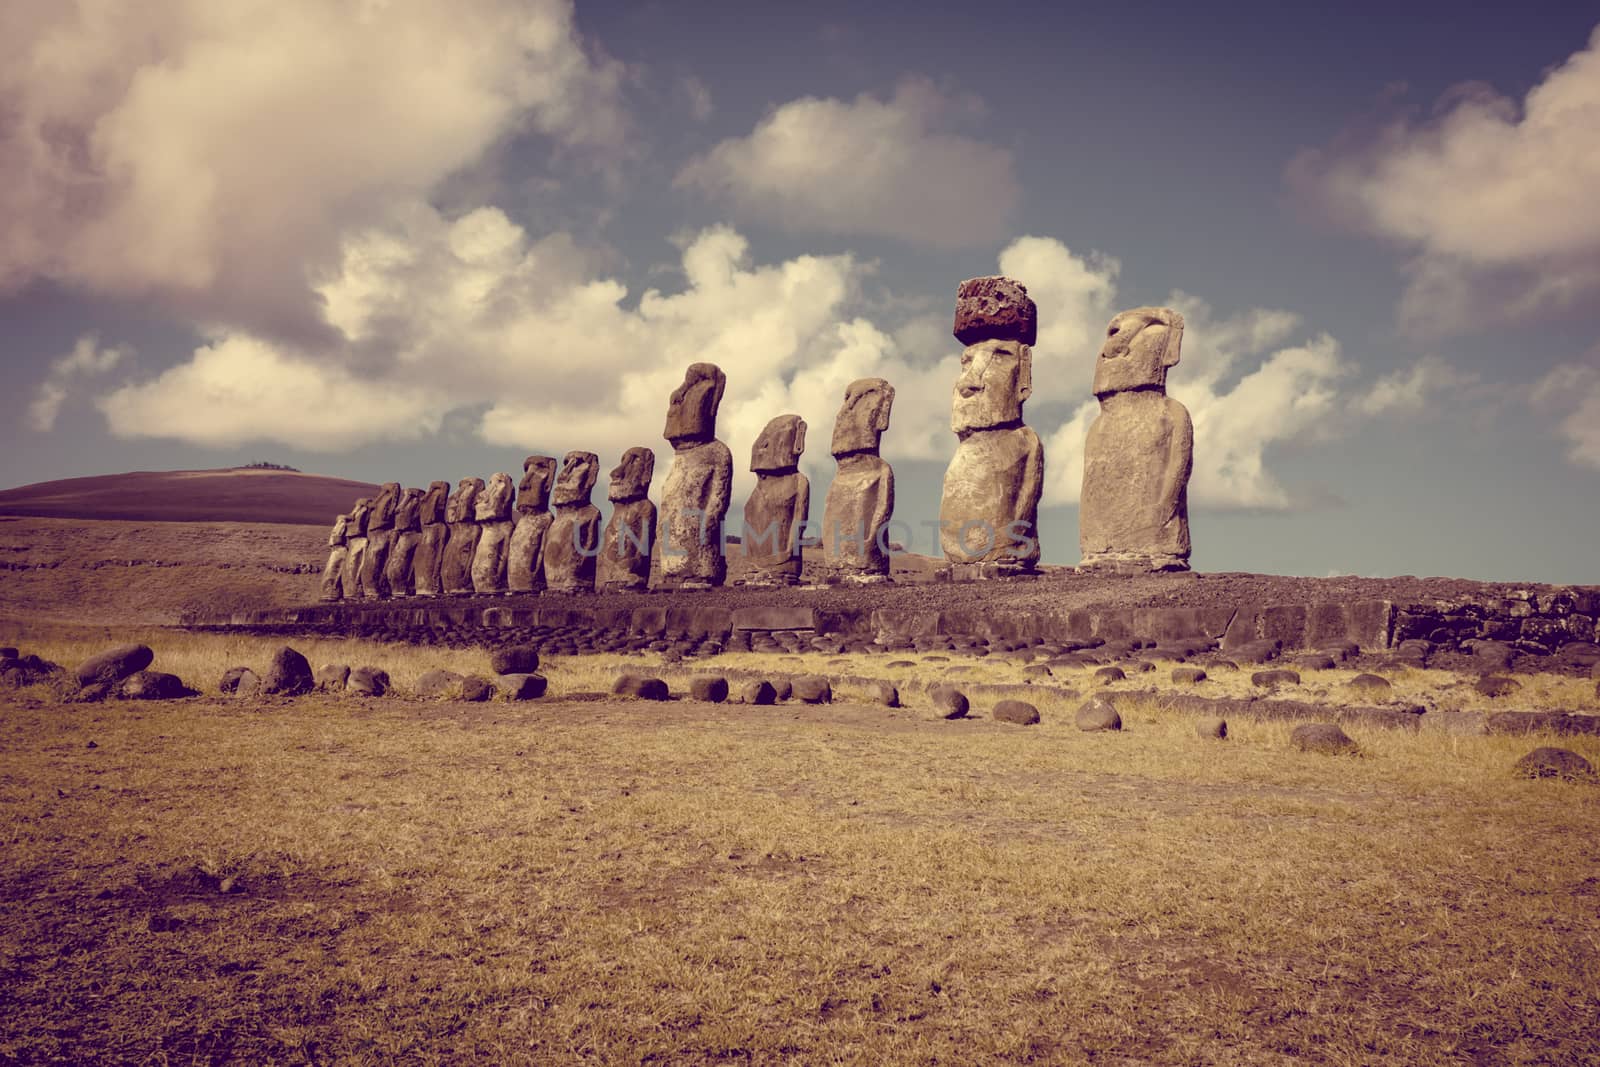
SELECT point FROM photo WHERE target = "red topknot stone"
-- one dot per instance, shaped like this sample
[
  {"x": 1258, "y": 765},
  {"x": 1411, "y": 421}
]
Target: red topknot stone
[{"x": 995, "y": 309}]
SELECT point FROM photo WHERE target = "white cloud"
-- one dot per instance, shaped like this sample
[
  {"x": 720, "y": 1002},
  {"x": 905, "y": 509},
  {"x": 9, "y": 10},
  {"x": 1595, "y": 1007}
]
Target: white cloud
[
  {"x": 867, "y": 166},
  {"x": 1572, "y": 391},
  {"x": 1496, "y": 198},
  {"x": 1411, "y": 389},
  {"x": 213, "y": 155},
  {"x": 86, "y": 359}
]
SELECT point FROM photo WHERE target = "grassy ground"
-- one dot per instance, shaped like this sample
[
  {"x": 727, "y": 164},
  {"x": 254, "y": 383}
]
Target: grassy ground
[{"x": 329, "y": 879}]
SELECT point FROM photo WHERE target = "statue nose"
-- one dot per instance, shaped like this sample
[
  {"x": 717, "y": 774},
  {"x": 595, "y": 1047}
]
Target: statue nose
[{"x": 970, "y": 390}]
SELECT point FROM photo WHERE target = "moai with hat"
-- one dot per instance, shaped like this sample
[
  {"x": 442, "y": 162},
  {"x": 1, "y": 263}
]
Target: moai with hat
[
  {"x": 427, "y": 566},
  {"x": 356, "y": 542},
  {"x": 461, "y": 514},
  {"x": 1133, "y": 513},
  {"x": 624, "y": 563},
  {"x": 525, "y": 557},
  {"x": 989, "y": 512},
  {"x": 573, "y": 542},
  {"x": 380, "y": 539},
  {"x": 493, "y": 512},
  {"x": 407, "y": 535},
  {"x": 694, "y": 501},
  {"x": 855, "y": 518},
  {"x": 776, "y": 513},
  {"x": 338, "y": 554}
]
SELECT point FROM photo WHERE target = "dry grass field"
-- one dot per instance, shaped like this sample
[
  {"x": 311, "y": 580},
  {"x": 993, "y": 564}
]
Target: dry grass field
[{"x": 585, "y": 879}]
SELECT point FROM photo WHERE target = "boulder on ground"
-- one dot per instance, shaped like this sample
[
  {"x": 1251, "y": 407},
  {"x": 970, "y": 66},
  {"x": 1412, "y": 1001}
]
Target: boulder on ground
[
  {"x": 1324, "y": 738},
  {"x": 1107, "y": 675},
  {"x": 1038, "y": 670},
  {"x": 1370, "y": 683},
  {"x": 114, "y": 664},
  {"x": 1212, "y": 728},
  {"x": 1097, "y": 713},
  {"x": 1497, "y": 685},
  {"x": 812, "y": 689},
  {"x": 1315, "y": 661},
  {"x": 230, "y": 679},
  {"x": 949, "y": 702},
  {"x": 886, "y": 694},
  {"x": 476, "y": 690},
  {"x": 440, "y": 684},
  {"x": 152, "y": 685},
  {"x": 246, "y": 685},
  {"x": 9, "y": 653},
  {"x": 288, "y": 675},
  {"x": 760, "y": 693},
  {"x": 517, "y": 659},
  {"x": 784, "y": 689},
  {"x": 642, "y": 686},
  {"x": 711, "y": 688},
  {"x": 1188, "y": 675},
  {"x": 1274, "y": 678},
  {"x": 332, "y": 677},
  {"x": 529, "y": 686},
  {"x": 1019, "y": 712},
  {"x": 369, "y": 682},
  {"x": 1553, "y": 763}
]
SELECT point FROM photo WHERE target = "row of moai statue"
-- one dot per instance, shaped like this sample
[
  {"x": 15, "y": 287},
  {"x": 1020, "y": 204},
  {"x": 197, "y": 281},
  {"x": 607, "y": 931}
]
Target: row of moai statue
[{"x": 498, "y": 538}]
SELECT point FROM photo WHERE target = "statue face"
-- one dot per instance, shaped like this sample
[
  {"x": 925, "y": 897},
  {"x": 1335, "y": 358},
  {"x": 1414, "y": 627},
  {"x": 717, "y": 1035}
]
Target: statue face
[
  {"x": 463, "y": 505},
  {"x": 340, "y": 525},
  {"x": 494, "y": 503},
  {"x": 1140, "y": 345},
  {"x": 692, "y": 412},
  {"x": 434, "y": 502},
  {"x": 630, "y": 479},
  {"x": 357, "y": 524},
  {"x": 576, "y": 482},
  {"x": 863, "y": 416},
  {"x": 405, "y": 513},
  {"x": 996, "y": 377},
  {"x": 538, "y": 474},
  {"x": 780, "y": 445}
]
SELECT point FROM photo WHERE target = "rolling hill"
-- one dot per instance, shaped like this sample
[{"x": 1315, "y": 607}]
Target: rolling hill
[{"x": 238, "y": 494}]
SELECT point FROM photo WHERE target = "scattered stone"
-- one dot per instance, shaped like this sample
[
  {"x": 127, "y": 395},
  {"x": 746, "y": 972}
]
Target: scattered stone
[
  {"x": 369, "y": 682},
  {"x": 1324, "y": 738},
  {"x": 1370, "y": 683},
  {"x": 440, "y": 684},
  {"x": 1274, "y": 678},
  {"x": 152, "y": 685},
  {"x": 1553, "y": 763},
  {"x": 760, "y": 693},
  {"x": 1037, "y": 670},
  {"x": 1527, "y": 722},
  {"x": 1019, "y": 712},
  {"x": 333, "y": 677},
  {"x": 900, "y": 663},
  {"x": 812, "y": 689},
  {"x": 288, "y": 675},
  {"x": 1495, "y": 655},
  {"x": 230, "y": 680},
  {"x": 246, "y": 685},
  {"x": 1107, "y": 675},
  {"x": 516, "y": 659},
  {"x": 523, "y": 686},
  {"x": 950, "y": 702},
  {"x": 93, "y": 694},
  {"x": 886, "y": 694},
  {"x": 1097, "y": 713},
  {"x": 115, "y": 664},
  {"x": 1212, "y": 728},
  {"x": 642, "y": 686},
  {"x": 783, "y": 688},
  {"x": 1497, "y": 685},
  {"x": 1188, "y": 675},
  {"x": 710, "y": 688},
  {"x": 1315, "y": 661},
  {"x": 476, "y": 690}
]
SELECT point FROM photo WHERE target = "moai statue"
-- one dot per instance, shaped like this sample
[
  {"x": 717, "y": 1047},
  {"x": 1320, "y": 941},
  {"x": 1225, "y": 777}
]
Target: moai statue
[
  {"x": 988, "y": 517},
  {"x": 428, "y": 564},
  {"x": 624, "y": 564},
  {"x": 407, "y": 535},
  {"x": 574, "y": 538},
  {"x": 338, "y": 555},
  {"x": 525, "y": 557},
  {"x": 860, "y": 502},
  {"x": 776, "y": 513},
  {"x": 695, "y": 499},
  {"x": 380, "y": 539},
  {"x": 461, "y": 513},
  {"x": 494, "y": 540},
  {"x": 1133, "y": 514},
  {"x": 355, "y": 539}
]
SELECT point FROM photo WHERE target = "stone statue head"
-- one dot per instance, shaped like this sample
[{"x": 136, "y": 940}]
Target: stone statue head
[
  {"x": 863, "y": 416},
  {"x": 538, "y": 474},
  {"x": 494, "y": 502},
  {"x": 576, "y": 481},
  {"x": 692, "y": 412},
  {"x": 406, "y": 512},
  {"x": 630, "y": 479},
  {"x": 357, "y": 526},
  {"x": 383, "y": 507},
  {"x": 337, "y": 535},
  {"x": 434, "y": 502},
  {"x": 463, "y": 503},
  {"x": 778, "y": 449},
  {"x": 996, "y": 378},
  {"x": 1140, "y": 345}
]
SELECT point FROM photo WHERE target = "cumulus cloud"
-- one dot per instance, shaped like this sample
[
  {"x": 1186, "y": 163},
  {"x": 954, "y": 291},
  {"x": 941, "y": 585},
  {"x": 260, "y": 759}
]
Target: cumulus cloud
[
  {"x": 889, "y": 168},
  {"x": 86, "y": 359},
  {"x": 1571, "y": 391},
  {"x": 214, "y": 156},
  {"x": 1494, "y": 197},
  {"x": 1410, "y": 389}
]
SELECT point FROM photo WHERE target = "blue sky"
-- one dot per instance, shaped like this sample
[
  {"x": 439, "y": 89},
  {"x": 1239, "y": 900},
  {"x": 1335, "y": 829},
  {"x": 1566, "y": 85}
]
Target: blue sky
[{"x": 397, "y": 242}]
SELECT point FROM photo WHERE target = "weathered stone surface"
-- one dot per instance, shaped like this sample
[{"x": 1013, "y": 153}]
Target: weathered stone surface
[
  {"x": 1212, "y": 728},
  {"x": 152, "y": 685},
  {"x": 461, "y": 514},
  {"x": 644, "y": 687},
  {"x": 492, "y": 512},
  {"x": 710, "y": 688},
  {"x": 368, "y": 682},
  {"x": 407, "y": 535},
  {"x": 529, "y": 686},
  {"x": 886, "y": 694},
  {"x": 1370, "y": 683},
  {"x": 477, "y": 690},
  {"x": 630, "y": 535},
  {"x": 338, "y": 560},
  {"x": 573, "y": 540},
  {"x": 1019, "y": 712},
  {"x": 288, "y": 675},
  {"x": 1551, "y": 762},
  {"x": 514, "y": 659},
  {"x": 995, "y": 308},
  {"x": 1097, "y": 713},
  {"x": 779, "y": 506},
  {"x": 812, "y": 689},
  {"x": 436, "y": 684},
  {"x": 1188, "y": 675},
  {"x": 759, "y": 693},
  {"x": 1108, "y": 674},
  {"x": 1555, "y": 722},
  {"x": 860, "y": 501},
  {"x": 1324, "y": 738},
  {"x": 332, "y": 677},
  {"x": 1497, "y": 685},
  {"x": 428, "y": 563},
  {"x": 949, "y": 702},
  {"x": 694, "y": 501},
  {"x": 246, "y": 684},
  {"x": 114, "y": 664},
  {"x": 525, "y": 554},
  {"x": 355, "y": 548},
  {"x": 380, "y": 539},
  {"x": 230, "y": 679},
  {"x": 1133, "y": 511},
  {"x": 1274, "y": 678}
]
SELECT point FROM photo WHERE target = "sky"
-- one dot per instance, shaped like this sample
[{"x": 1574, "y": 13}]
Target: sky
[{"x": 395, "y": 240}]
